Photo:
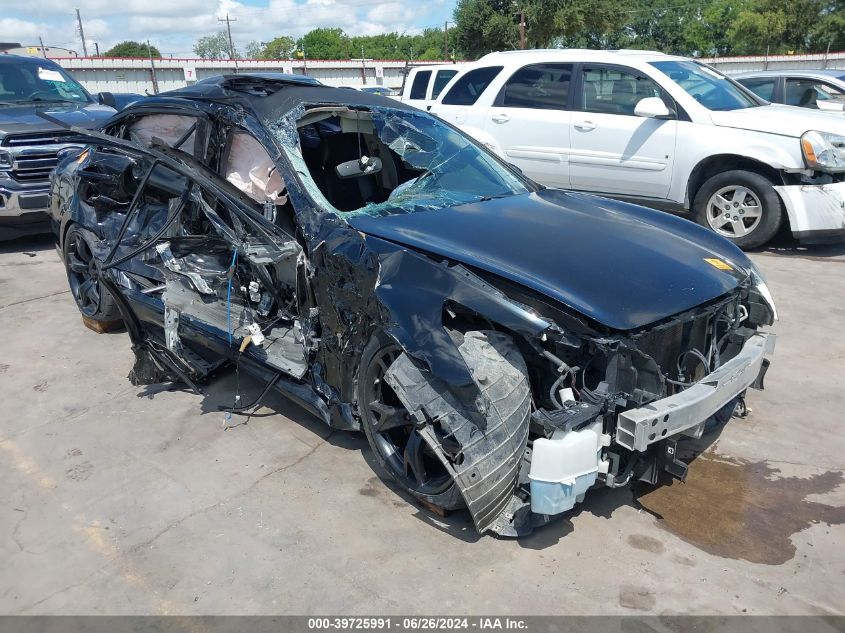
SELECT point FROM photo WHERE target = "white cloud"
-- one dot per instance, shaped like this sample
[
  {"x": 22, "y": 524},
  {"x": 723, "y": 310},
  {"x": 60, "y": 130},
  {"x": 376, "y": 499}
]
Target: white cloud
[{"x": 174, "y": 25}]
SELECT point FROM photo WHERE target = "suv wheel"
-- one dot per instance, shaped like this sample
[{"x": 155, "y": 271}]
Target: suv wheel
[{"x": 741, "y": 206}]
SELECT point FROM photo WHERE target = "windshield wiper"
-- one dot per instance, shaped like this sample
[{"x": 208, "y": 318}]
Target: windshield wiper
[
  {"x": 54, "y": 101},
  {"x": 507, "y": 194}
]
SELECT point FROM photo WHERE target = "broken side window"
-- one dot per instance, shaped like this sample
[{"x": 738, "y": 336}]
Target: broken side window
[{"x": 385, "y": 161}]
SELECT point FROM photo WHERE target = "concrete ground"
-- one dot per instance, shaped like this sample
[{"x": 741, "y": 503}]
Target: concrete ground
[{"x": 116, "y": 499}]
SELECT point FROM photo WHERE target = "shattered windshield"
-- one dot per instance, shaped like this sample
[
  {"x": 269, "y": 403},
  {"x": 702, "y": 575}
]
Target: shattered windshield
[{"x": 385, "y": 161}]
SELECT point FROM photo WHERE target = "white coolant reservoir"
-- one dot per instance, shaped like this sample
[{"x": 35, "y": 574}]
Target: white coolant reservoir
[{"x": 563, "y": 468}]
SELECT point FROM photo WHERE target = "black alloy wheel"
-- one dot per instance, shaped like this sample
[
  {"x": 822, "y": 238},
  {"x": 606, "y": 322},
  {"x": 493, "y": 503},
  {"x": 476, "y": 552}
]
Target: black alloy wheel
[
  {"x": 82, "y": 273},
  {"x": 393, "y": 435}
]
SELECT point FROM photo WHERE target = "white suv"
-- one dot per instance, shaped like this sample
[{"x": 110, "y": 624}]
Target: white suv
[
  {"x": 663, "y": 131},
  {"x": 424, "y": 84}
]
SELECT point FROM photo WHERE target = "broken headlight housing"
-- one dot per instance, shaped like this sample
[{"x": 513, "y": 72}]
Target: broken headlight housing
[
  {"x": 763, "y": 289},
  {"x": 824, "y": 151}
]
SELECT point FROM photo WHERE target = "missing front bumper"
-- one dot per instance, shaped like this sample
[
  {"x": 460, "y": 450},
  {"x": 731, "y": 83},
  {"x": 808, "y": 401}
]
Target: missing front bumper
[
  {"x": 638, "y": 428},
  {"x": 816, "y": 212}
]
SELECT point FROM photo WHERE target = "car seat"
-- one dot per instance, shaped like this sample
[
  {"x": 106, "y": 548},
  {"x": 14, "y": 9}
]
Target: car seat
[
  {"x": 624, "y": 95},
  {"x": 809, "y": 99}
]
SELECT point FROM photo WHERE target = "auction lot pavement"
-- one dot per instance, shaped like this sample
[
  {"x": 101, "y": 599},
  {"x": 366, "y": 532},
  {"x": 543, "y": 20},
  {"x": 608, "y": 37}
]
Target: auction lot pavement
[{"x": 117, "y": 499}]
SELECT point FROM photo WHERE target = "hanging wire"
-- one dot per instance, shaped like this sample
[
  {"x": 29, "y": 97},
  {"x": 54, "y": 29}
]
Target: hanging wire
[{"x": 231, "y": 275}]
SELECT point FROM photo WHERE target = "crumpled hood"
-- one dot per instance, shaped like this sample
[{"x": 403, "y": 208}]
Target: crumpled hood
[
  {"x": 24, "y": 118},
  {"x": 780, "y": 119},
  {"x": 619, "y": 264}
]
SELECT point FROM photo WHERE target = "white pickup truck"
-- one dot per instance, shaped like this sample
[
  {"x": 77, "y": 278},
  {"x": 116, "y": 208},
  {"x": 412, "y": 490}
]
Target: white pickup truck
[
  {"x": 659, "y": 130},
  {"x": 424, "y": 84}
]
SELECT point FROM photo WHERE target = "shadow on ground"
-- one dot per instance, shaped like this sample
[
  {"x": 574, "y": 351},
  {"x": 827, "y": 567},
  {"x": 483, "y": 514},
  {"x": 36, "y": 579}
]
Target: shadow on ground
[{"x": 34, "y": 244}]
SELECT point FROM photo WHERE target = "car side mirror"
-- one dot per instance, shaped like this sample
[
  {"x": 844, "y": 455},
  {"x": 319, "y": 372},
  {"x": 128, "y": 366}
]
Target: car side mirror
[
  {"x": 106, "y": 99},
  {"x": 652, "y": 108},
  {"x": 364, "y": 166}
]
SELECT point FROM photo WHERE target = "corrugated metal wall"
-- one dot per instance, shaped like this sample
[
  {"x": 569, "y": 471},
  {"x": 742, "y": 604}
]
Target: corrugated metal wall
[
  {"x": 99, "y": 74},
  {"x": 730, "y": 65}
]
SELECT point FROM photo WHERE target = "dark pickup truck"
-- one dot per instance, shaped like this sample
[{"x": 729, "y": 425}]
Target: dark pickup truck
[{"x": 30, "y": 145}]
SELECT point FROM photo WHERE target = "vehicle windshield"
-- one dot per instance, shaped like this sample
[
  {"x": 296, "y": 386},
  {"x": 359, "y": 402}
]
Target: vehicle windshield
[
  {"x": 710, "y": 88},
  {"x": 416, "y": 162},
  {"x": 34, "y": 82}
]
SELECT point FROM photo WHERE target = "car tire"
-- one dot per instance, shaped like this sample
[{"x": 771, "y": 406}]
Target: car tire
[
  {"x": 376, "y": 399},
  {"x": 741, "y": 206},
  {"x": 93, "y": 301}
]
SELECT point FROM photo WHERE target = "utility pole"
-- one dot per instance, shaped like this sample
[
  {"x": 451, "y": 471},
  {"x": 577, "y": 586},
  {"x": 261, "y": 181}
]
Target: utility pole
[
  {"x": 522, "y": 30},
  {"x": 152, "y": 68},
  {"x": 446, "y": 41},
  {"x": 228, "y": 22},
  {"x": 97, "y": 48},
  {"x": 363, "y": 61},
  {"x": 44, "y": 50},
  {"x": 81, "y": 33}
]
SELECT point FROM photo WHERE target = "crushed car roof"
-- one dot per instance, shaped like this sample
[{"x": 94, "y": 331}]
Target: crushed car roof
[{"x": 273, "y": 97}]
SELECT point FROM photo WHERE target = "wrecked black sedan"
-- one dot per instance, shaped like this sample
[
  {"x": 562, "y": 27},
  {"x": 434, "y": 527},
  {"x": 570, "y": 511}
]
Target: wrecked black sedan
[{"x": 504, "y": 347}]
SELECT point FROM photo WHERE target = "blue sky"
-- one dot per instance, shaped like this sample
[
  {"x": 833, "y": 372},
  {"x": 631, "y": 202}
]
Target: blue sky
[{"x": 174, "y": 25}]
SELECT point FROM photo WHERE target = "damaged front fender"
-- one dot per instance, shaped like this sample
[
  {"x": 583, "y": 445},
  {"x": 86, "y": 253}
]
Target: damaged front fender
[{"x": 482, "y": 449}]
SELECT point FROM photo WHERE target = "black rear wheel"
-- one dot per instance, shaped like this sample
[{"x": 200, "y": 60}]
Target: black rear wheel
[{"x": 93, "y": 301}]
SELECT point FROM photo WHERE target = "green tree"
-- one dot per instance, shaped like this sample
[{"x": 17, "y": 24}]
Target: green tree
[
  {"x": 708, "y": 33},
  {"x": 781, "y": 26},
  {"x": 215, "y": 46},
  {"x": 325, "y": 43},
  {"x": 254, "y": 50},
  {"x": 830, "y": 29},
  {"x": 482, "y": 26},
  {"x": 485, "y": 25},
  {"x": 132, "y": 49},
  {"x": 658, "y": 25},
  {"x": 282, "y": 47},
  {"x": 575, "y": 22}
]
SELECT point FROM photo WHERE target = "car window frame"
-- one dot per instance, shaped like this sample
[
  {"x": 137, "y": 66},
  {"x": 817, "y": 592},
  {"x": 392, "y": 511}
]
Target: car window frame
[
  {"x": 677, "y": 112},
  {"x": 458, "y": 78},
  {"x": 775, "y": 85},
  {"x": 815, "y": 81},
  {"x": 126, "y": 118},
  {"x": 415, "y": 83},
  {"x": 434, "y": 77},
  {"x": 498, "y": 101}
]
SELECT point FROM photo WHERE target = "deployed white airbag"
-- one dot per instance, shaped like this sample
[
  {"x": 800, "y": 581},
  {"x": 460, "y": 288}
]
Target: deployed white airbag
[
  {"x": 250, "y": 169},
  {"x": 167, "y": 127}
]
